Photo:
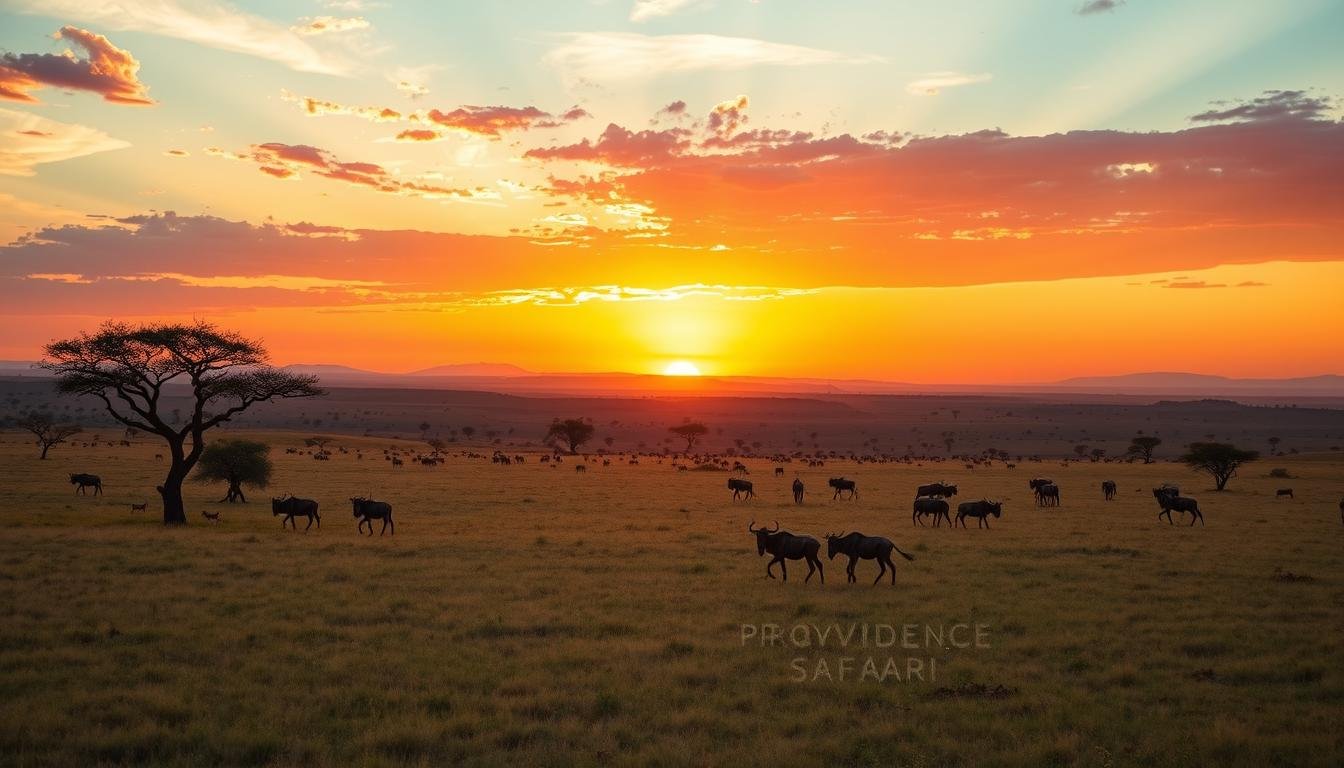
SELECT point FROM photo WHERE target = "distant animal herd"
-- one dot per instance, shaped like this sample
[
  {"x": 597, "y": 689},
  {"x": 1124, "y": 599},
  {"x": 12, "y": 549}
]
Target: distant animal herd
[{"x": 931, "y": 501}]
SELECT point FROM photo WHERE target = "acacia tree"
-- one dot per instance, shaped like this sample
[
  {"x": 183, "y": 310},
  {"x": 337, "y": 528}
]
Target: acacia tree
[
  {"x": 236, "y": 462},
  {"x": 1220, "y": 460},
  {"x": 572, "y": 432},
  {"x": 47, "y": 432},
  {"x": 690, "y": 432},
  {"x": 1142, "y": 446},
  {"x": 134, "y": 369}
]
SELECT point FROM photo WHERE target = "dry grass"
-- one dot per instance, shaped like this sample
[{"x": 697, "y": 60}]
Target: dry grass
[{"x": 534, "y": 616}]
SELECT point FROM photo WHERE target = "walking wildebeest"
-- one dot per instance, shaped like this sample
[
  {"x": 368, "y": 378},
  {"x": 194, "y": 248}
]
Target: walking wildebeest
[
  {"x": 939, "y": 508},
  {"x": 936, "y": 489},
  {"x": 855, "y": 545},
  {"x": 785, "y": 546},
  {"x": 81, "y": 480},
  {"x": 1284, "y": 492},
  {"x": 1108, "y": 489},
  {"x": 980, "y": 509},
  {"x": 739, "y": 486},
  {"x": 1169, "y": 501},
  {"x": 1047, "y": 495},
  {"x": 1036, "y": 482},
  {"x": 841, "y": 485},
  {"x": 797, "y": 491},
  {"x": 368, "y": 510},
  {"x": 291, "y": 505}
]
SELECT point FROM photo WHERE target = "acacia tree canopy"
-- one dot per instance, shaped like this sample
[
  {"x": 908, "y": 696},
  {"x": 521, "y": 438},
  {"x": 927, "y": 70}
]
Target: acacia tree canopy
[{"x": 134, "y": 369}]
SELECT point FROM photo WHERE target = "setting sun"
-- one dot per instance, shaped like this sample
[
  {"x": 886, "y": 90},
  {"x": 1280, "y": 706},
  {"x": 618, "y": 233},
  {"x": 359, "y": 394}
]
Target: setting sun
[{"x": 681, "y": 368}]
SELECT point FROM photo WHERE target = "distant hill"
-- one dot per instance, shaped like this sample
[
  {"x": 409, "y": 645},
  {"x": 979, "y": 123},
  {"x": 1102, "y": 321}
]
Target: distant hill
[
  {"x": 1180, "y": 383},
  {"x": 474, "y": 369}
]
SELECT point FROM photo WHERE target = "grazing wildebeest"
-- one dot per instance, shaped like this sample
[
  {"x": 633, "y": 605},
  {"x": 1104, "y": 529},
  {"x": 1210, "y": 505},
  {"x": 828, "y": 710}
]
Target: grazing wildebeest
[
  {"x": 1036, "y": 482},
  {"x": 740, "y": 468},
  {"x": 979, "y": 509},
  {"x": 1168, "y": 501},
  {"x": 797, "y": 491},
  {"x": 779, "y": 471},
  {"x": 936, "y": 489},
  {"x": 785, "y": 546},
  {"x": 368, "y": 510},
  {"x": 1108, "y": 489},
  {"x": 396, "y": 462},
  {"x": 1284, "y": 492},
  {"x": 856, "y": 545},
  {"x": 841, "y": 485},
  {"x": 939, "y": 508},
  {"x": 1047, "y": 495},
  {"x": 83, "y": 480},
  {"x": 211, "y": 516},
  {"x": 141, "y": 507},
  {"x": 291, "y": 506},
  {"x": 580, "y": 467},
  {"x": 739, "y": 486}
]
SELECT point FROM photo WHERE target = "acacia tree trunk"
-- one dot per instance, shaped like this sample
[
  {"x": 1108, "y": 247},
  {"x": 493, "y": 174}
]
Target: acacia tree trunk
[
  {"x": 45, "y": 446},
  {"x": 174, "y": 511}
]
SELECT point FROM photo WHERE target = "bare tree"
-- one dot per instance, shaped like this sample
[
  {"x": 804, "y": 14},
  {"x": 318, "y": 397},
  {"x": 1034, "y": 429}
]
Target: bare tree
[
  {"x": 48, "y": 433},
  {"x": 132, "y": 369}
]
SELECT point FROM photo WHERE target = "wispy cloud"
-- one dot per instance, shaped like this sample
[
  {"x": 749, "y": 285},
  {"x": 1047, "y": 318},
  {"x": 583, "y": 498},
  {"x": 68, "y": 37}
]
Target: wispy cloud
[
  {"x": 643, "y": 10},
  {"x": 609, "y": 56},
  {"x": 206, "y": 22},
  {"x": 327, "y": 25},
  {"x": 932, "y": 83},
  {"x": 1098, "y": 6},
  {"x": 574, "y": 296},
  {"x": 27, "y": 141},
  {"x": 1270, "y": 105}
]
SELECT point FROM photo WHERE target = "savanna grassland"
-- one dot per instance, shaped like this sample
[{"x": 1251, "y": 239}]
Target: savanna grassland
[{"x": 531, "y": 615}]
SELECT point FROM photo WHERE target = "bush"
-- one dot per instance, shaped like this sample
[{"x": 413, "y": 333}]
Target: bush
[{"x": 1281, "y": 473}]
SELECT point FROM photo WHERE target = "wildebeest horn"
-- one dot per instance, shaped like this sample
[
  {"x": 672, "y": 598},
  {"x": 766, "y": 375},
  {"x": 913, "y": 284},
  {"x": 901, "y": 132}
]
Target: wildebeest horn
[
  {"x": 751, "y": 526},
  {"x": 776, "y": 526}
]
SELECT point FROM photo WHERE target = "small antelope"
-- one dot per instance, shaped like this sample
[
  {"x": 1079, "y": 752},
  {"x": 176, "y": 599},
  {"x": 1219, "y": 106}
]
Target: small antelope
[
  {"x": 141, "y": 507},
  {"x": 211, "y": 516},
  {"x": 1283, "y": 492}
]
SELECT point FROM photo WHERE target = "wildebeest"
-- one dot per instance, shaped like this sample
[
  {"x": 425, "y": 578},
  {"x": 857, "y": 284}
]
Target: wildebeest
[
  {"x": 739, "y": 486},
  {"x": 979, "y": 509},
  {"x": 81, "y": 480},
  {"x": 368, "y": 510},
  {"x": 580, "y": 467},
  {"x": 785, "y": 546},
  {"x": 396, "y": 462},
  {"x": 797, "y": 491},
  {"x": 1108, "y": 489},
  {"x": 779, "y": 471},
  {"x": 1283, "y": 492},
  {"x": 841, "y": 485},
  {"x": 1036, "y": 482},
  {"x": 291, "y": 506},
  {"x": 855, "y": 545},
  {"x": 141, "y": 507},
  {"x": 939, "y": 508},
  {"x": 1169, "y": 500},
  {"x": 1047, "y": 495},
  {"x": 936, "y": 489}
]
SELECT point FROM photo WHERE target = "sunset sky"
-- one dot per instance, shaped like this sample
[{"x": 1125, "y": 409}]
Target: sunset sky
[{"x": 973, "y": 192}]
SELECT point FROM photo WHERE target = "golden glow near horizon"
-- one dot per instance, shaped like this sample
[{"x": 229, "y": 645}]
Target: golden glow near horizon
[{"x": 681, "y": 368}]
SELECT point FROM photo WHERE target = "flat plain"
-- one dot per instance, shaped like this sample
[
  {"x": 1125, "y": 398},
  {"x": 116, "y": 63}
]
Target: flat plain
[{"x": 535, "y": 615}]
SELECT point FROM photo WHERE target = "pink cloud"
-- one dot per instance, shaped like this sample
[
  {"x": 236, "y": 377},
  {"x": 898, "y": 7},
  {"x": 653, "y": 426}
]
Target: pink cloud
[{"x": 106, "y": 70}]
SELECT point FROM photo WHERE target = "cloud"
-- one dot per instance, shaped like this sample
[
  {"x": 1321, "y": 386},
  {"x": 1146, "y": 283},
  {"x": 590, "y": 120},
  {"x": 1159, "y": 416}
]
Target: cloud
[
  {"x": 1270, "y": 105},
  {"x": 728, "y": 116},
  {"x": 290, "y": 161},
  {"x": 177, "y": 153},
  {"x": 612, "y": 56},
  {"x": 320, "y": 107},
  {"x": 495, "y": 121},
  {"x": 419, "y": 134},
  {"x": 574, "y": 296},
  {"x": 27, "y": 141},
  {"x": 932, "y": 83},
  {"x": 326, "y": 25},
  {"x": 1193, "y": 284},
  {"x": 620, "y": 146},
  {"x": 205, "y": 22},
  {"x": 643, "y": 10},
  {"x": 107, "y": 70},
  {"x": 1098, "y": 6}
]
